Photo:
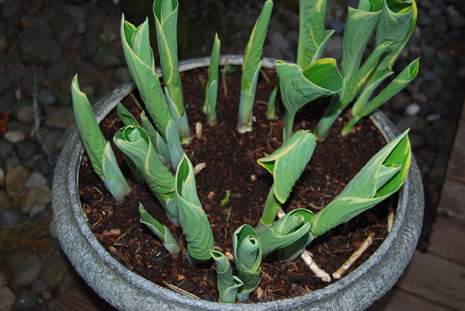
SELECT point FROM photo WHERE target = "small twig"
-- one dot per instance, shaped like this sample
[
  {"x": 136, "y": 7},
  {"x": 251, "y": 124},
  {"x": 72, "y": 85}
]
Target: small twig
[
  {"x": 390, "y": 219},
  {"x": 199, "y": 167},
  {"x": 134, "y": 98},
  {"x": 265, "y": 76},
  {"x": 180, "y": 290},
  {"x": 223, "y": 77},
  {"x": 198, "y": 130},
  {"x": 353, "y": 258},
  {"x": 307, "y": 257},
  {"x": 36, "y": 114}
]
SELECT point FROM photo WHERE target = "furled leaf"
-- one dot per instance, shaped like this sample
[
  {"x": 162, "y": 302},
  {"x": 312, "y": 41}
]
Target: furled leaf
[
  {"x": 125, "y": 115},
  {"x": 157, "y": 141},
  {"x": 364, "y": 107},
  {"x": 160, "y": 230},
  {"x": 299, "y": 87},
  {"x": 227, "y": 283},
  {"x": 211, "y": 89},
  {"x": 135, "y": 143},
  {"x": 248, "y": 259},
  {"x": 312, "y": 34},
  {"x": 382, "y": 176},
  {"x": 192, "y": 217},
  {"x": 166, "y": 18},
  {"x": 286, "y": 164},
  {"x": 98, "y": 150},
  {"x": 282, "y": 233},
  {"x": 251, "y": 67},
  {"x": 271, "y": 108}
]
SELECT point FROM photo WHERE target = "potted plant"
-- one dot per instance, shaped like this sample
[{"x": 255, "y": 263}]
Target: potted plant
[{"x": 158, "y": 199}]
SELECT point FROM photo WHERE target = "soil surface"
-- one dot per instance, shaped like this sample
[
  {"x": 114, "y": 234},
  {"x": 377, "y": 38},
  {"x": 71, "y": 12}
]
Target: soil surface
[{"x": 231, "y": 166}]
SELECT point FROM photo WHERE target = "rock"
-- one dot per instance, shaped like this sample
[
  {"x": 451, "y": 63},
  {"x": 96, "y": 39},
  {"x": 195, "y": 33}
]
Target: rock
[
  {"x": 5, "y": 148},
  {"x": 2, "y": 176},
  {"x": 24, "y": 268},
  {"x": 81, "y": 27},
  {"x": 14, "y": 136},
  {"x": 38, "y": 45},
  {"x": 7, "y": 298},
  {"x": 122, "y": 74},
  {"x": 25, "y": 114},
  {"x": 36, "y": 180},
  {"x": 106, "y": 58},
  {"x": 433, "y": 117},
  {"x": 36, "y": 199},
  {"x": 10, "y": 217},
  {"x": 38, "y": 286},
  {"x": 10, "y": 7},
  {"x": 61, "y": 70},
  {"x": 52, "y": 229},
  {"x": 455, "y": 20},
  {"x": 46, "y": 97},
  {"x": 26, "y": 149},
  {"x": 63, "y": 26},
  {"x": 25, "y": 300},
  {"x": 5, "y": 83},
  {"x": 15, "y": 180},
  {"x": 412, "y": 109},
  {"x": 56, "y": 270},
  {"x": 399, "y": 102},
  {"x": 59, "y": 118},
  {"x": 76, "y": 11}
]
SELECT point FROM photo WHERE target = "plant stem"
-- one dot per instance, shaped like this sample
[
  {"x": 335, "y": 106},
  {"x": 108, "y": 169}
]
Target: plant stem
[
  {"x": 331, "y": 114},
  {"x": 353, "y": 258},
  {"x": 244, "y": 124},
  {"x": 271, "y": 209},
  {"x": 349, "y": 126},
  {"x": 288, "y": 125},
  {"x": 271, "y": 110}
]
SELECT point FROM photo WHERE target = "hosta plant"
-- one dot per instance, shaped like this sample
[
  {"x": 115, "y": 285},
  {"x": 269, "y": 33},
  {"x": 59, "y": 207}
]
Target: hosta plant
[{"x": 151, "y": 141}]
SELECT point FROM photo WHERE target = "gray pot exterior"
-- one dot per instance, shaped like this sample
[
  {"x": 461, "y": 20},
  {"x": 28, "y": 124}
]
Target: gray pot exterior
[{"x": 126, "y": 290}]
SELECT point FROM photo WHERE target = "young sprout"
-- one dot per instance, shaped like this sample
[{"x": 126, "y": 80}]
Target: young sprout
[
  {"x": 135, "y": 143},
  {"x": 286, "y": 164},
  {"x": 160, "y": 230},
  {"x": 227, "y": 283},
  {"x": 166, "y": 18},
  {"x": 299, "y": 87},
  {"x": 139, "y": 57},
  {"x": 393, "y": 22},
  {"x": 248, "y": 259},
  {"x": 163, "y": 152},
  {"x": 271, "y": 108},
  {"x": 312, "y": 34},
  {"x": 192, "y": 217},
  {"x": 211, "y": 89},
  {"x": 98, "y": 150},
  {"x": 125, "y": 115},
  {"x": 251, "y": 68}
]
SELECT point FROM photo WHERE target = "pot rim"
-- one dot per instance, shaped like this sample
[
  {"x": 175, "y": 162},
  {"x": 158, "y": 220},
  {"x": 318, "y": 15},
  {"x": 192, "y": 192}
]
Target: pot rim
[{"x": 65, "y": 195}]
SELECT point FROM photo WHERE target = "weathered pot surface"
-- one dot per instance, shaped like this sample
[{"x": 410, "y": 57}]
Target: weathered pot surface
[{"x": 126, "y": 290}]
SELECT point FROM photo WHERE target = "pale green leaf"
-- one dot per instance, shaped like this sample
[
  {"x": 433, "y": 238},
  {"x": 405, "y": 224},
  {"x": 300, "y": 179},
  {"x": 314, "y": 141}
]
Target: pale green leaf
[
  {"x": 113, "y": 178},
  {"x": 192, "y": 217},
  {"x": 271, "y": 107},
  {"x": 160, "y": 230},
  {"x": 248, "y": 259},
  {"x": 211, "y": 89},
  {"x": 125, "y": 115},
  {"x": 227, "y": 283},
  {"x": 157, "y": 141}
]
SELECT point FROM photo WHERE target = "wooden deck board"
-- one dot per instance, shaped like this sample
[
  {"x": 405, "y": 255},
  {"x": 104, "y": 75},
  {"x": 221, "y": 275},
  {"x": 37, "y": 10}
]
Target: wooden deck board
[
  {"x": 399, "y": 300},
  {"x": 456, "y": 166},
  {"x": 436, "y": 279},
  {"x": 448, "y": 240}
]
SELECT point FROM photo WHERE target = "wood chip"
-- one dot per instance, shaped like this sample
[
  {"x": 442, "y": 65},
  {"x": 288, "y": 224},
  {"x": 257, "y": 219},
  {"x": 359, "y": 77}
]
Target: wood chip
[
  {"x": 198, "y": 130},
  {"x": 180, "y": 290},
  {"x": 199, "y": 167},
  {"x": 353, "y": 258}
]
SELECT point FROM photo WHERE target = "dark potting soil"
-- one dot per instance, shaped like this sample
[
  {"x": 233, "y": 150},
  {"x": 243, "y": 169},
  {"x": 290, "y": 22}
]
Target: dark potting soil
[{"x": 231, "y": 167}]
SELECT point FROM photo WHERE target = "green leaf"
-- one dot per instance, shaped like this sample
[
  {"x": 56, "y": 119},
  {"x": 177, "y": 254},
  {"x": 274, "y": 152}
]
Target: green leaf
[
  {"x": 248, "y": 259},
  {"x": 157, "y": 141},
  {"x": 300, "y": 87},
  {"x": 166, "y": 17},
  {"x": 282, "y": 233},
  {"x": 382, "y": 176},
  {"x": 192, "y": 217},
  {"x": 125, "y": 115},
  {"x": 160, "y": 230},
  {"x": 251, "y": 67},
  {"x": 312, "y": 34},
  {"x": 99, "y": 151},
  {"x": 227, "y": 283},
  {"x": 135, "y": 143},
  {"x": 146, "y": 79},
  {"x": 271, "y": 108},
  {"x": 286, "y": 164},
  {"x": 295, "y": 249},
  {"x": 211, "y": 89}
]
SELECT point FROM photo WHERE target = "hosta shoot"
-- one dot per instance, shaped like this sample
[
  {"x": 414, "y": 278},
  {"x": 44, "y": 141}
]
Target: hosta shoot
[
  {"x": 227, "y": 283},
  {"x": 135, "y": 143},
  {"x": 192, "y": 217},
  {"x": 211, "y": 89},
  {"x": 247, "y": 254},
  {"x": 98, "y": 150},
  {"x": 271, "y": 108},
  {"x": 160, "y": 230},
  {"x": 251, "y": 68},
  {"x": 125, "y": 115},
  {"x": 392, "y": 22},
  {"x": 166, "y": 19},
  {"x": 313, "y": 37},
  {"x": 299, "y": 87}
]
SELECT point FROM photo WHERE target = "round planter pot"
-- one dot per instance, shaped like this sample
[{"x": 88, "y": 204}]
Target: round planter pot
[{"x": 126, "y": 290}]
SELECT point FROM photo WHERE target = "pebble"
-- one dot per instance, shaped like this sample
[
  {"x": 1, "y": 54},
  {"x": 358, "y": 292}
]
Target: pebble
[
  {"x": 25, "y": 114},
  {"x": 5, "y": 83},
  {"x": 7, "y": 298},
  {"x": 46, "y": 97},
  {"x": 14, "y": 136},
  {"x": 25, "y": 300},
  {"x": 59, "y": 117},
  {"x": 60, "y": 70},
  {"x": 36, "y": 200},
  {"x": 24, "y": 268},
  {"x": 52, "y": 229},
  {"x": 37, "y": 44},
  {"x": 15, "y": 180},
  {"x": 412, "y": 109},
  {"x": 36, "y": 180},
  {"x": 2, "y": 176},
  {"x": 433, "y": 117},
  {"x": 9, "y": 217}
]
